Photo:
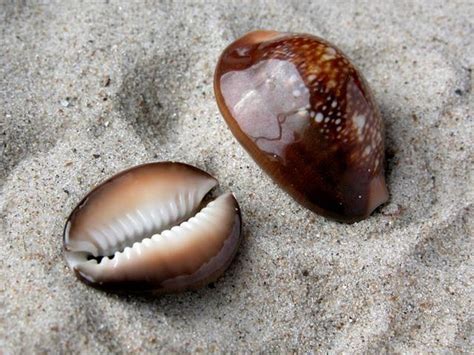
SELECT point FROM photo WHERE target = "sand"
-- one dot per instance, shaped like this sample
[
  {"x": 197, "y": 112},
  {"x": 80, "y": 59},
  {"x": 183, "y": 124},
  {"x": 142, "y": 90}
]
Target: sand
[{"x": 89, "y": 89}]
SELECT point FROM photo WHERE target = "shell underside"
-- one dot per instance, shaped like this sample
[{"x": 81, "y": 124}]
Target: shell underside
[{"x": 159, "y": 237}]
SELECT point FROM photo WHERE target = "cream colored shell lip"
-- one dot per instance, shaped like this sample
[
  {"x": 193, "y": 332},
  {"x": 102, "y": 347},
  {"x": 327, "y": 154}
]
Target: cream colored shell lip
[{"x": 148, "y": 229}]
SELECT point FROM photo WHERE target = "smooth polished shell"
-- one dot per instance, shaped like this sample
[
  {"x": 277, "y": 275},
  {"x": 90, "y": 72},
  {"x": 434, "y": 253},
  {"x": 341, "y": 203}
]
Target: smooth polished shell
[
  {"x": 307, "y": 116},
  {"x": 147, "y": 229}
]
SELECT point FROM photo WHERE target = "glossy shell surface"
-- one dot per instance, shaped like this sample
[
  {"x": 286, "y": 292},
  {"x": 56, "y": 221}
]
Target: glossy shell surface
[
  {"x": 307, "y": 116},
  {"x": 147, "y": 229}
]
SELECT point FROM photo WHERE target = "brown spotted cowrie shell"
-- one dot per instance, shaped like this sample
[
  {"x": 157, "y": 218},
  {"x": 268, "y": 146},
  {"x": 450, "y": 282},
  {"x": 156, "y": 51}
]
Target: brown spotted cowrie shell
[
  {"x": 148, "y": 229},
  {"x": 306, "y": 115}
]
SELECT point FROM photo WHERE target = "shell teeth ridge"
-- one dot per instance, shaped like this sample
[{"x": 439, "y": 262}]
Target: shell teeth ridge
[
  {"x": 206, "y": 218},
  {"x": 180, "y": 207},
  {"x": 173, "y": 210},
  {"x": 167, "y": 234},
  {"x": 138, "y": 248},
  {"x": 125, "y": 228},
  {"x": 160, "y": 216},
  {"x": 118, "y": 233},
  {"x": 164, "y": 215},
  {"x": 155, "y": 218},
  {"x": 137, "y": 228},
  {"x": 104, "y": 261},
  {"x": 186, "y": 226},
  {"x": 147, "y": 242},
  {"x": 155, "y": 238},
  {"x": 112, "y": 238},
  {"x": 99, "y": 240},
  {"x": 124, "y": 231},
  {"x": 208, "y": 215},
  {"x": 144, "y": 221},
  {"x": 127, "y": 253}
]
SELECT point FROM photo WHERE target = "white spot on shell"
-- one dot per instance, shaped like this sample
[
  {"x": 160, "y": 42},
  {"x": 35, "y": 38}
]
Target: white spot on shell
[
  {"x": 359, "y": 122},
  {"x": 367, "y": 150},
  {"x": 329, "y": 54},
  {"x": 293, "y": 79},
  {"x": 302, "y": 112}
]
